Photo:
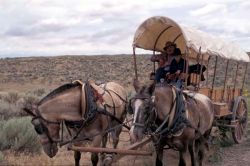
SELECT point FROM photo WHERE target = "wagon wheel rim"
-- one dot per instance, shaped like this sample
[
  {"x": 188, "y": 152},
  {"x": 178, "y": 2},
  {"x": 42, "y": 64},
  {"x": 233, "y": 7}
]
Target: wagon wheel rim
[{"x": 241, "y": 124}]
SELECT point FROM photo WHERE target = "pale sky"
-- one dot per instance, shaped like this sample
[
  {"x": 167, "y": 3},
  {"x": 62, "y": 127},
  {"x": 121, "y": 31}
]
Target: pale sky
[{"x": 93, "y": 27}]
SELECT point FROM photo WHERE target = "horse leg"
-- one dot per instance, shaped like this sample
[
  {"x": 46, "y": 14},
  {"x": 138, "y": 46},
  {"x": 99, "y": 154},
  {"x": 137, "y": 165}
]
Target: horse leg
[
  {"x": 115, "y": 140},
  {"x": 183, "y": 156},
  {"x": 104, "y": 143},
  {"x": 96, "y": 143},
  {"x": 77, "y": 156},
  {"x": 159, "y": 157},
  {"x": 191, "y": 149},
  {"x": 94, "y": 158},
  {"x": 115, "y": 136},
  {"x": 202, "y": 145},
  {"x": 201, "y": 153}
]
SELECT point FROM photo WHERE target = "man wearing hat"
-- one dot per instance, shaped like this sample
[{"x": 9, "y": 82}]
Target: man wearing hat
[
  {"x": 177, "y": 67},
  {"x": 164, "y": 61},
  {"x": 169, "y": 48},
  {"x": 169, "y": 51}
]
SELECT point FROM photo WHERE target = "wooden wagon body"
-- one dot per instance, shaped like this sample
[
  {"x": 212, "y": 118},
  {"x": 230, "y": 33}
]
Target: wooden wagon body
[{"x": 198, "y": 48}]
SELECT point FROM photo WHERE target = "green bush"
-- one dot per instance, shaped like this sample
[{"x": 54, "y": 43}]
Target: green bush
[{"x": 18, "y": 134}]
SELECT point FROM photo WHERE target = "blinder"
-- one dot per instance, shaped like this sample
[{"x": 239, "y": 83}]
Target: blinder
[
  {"x": 131, "y": 101},
  {"x": 40, "y": 129}
]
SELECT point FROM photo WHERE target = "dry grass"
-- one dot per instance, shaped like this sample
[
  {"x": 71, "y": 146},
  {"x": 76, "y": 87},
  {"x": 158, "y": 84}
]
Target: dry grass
[{"x": 63, "y": 158}]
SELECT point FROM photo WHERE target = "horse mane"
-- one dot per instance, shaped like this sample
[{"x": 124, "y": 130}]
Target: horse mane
[
  {"x": 146, "y": 90},
  {"x": 57, "y": 91}
]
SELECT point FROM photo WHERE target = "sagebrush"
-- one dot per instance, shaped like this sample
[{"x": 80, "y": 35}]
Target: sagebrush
[{"x": 18, "y": 134}]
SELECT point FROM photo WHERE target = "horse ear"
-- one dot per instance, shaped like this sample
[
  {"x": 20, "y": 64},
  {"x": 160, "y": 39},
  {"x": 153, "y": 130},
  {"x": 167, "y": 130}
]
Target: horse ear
[
  {"x": 136, "y": 85},
  {"x": 29, "y": 110}
]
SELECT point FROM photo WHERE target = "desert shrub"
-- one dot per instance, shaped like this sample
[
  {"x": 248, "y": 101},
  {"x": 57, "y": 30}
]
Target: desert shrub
[
  {"x": 18, "y": 134},
  {"x": 5, "y": 112},
  {"x": 12, "y": 97},
  {"x": 39, "y": 92},
  {"x": 30, "y": 99},
  {"x": 8, "y": 111}
]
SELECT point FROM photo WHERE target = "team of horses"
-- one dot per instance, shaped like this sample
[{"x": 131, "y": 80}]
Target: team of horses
[{"x": 173, "y": 118}]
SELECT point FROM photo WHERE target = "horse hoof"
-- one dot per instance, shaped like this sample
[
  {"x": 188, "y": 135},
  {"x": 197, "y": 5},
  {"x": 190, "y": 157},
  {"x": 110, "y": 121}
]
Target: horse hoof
[{"x": 108, "y": 160}]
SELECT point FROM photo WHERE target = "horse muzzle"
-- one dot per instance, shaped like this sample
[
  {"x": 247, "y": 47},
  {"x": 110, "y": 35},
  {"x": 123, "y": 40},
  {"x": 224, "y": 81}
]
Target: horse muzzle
[
  {"x": 136, "y": 134},
  {"x": 50, "y": 149}
]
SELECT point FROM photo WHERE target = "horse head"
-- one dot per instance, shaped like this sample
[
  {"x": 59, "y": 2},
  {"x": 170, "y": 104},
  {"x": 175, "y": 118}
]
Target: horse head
[
  {"x": 141, "y": 106},
  {"x": 48, "y": 131},
  {"x": 149, "y": 103},
  {"x": 62, "y": 103}
]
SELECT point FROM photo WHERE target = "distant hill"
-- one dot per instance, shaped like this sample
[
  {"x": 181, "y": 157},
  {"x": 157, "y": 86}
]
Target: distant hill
[
  {"x": 43, "y": 72},
  {"x": 47, "y": 71}
]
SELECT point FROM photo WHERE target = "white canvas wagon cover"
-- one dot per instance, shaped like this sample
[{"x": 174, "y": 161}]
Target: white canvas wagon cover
[{"x": 154, "y": 32}]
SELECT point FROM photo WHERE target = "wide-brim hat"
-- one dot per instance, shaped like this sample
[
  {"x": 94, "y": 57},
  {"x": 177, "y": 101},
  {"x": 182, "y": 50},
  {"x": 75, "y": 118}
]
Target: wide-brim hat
[{"x": 168, "y": 44}]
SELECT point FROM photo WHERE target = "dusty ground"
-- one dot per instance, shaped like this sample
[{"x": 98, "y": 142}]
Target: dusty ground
[{"x": 236, "y": 155}]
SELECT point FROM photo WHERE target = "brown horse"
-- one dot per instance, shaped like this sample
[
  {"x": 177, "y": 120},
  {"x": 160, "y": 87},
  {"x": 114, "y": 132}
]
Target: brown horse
[
  {"x": 87, "y": 110},
  {"x": 182, "y": 122}
]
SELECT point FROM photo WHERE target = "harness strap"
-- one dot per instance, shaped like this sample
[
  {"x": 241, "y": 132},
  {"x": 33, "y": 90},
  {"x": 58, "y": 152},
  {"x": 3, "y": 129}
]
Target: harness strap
[
  {"x": 89, "y": 137},
  {"x": 105, "y": 112},
  {"x": 138, "y": 124},
  {"x": 173, "y": 105},
  {"x": 172, "y": 111},
  {"x": 112, "y": 101}
]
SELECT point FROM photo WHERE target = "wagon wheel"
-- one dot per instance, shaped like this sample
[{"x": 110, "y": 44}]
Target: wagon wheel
[{"x": 240, "y": 117}]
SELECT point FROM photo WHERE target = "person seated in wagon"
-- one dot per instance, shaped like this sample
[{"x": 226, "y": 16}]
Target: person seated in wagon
[
  {"x": 177, "y": 69},
  {"x": 164, "y": 61}
]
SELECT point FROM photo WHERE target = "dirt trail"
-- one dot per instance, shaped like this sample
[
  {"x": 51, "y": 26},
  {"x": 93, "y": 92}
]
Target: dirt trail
[{"x": 236, "y": 155}]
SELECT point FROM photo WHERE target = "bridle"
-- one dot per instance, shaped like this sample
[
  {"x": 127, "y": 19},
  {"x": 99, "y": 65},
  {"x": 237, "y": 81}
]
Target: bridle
[
  {"x": 141, "y": 97},
  {"x": 44, "y": 128},
  {"x": 145, "y": 97}
]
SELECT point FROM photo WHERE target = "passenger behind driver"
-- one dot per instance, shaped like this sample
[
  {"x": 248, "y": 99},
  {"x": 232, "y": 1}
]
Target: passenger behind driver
[
  {"x": 162, "y": 69},
  {"x": 177, "y": 67}
]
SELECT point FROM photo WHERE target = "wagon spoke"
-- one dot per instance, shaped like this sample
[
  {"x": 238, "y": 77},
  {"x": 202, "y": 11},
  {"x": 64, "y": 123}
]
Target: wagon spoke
[{"x": 239, "y": 131}]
